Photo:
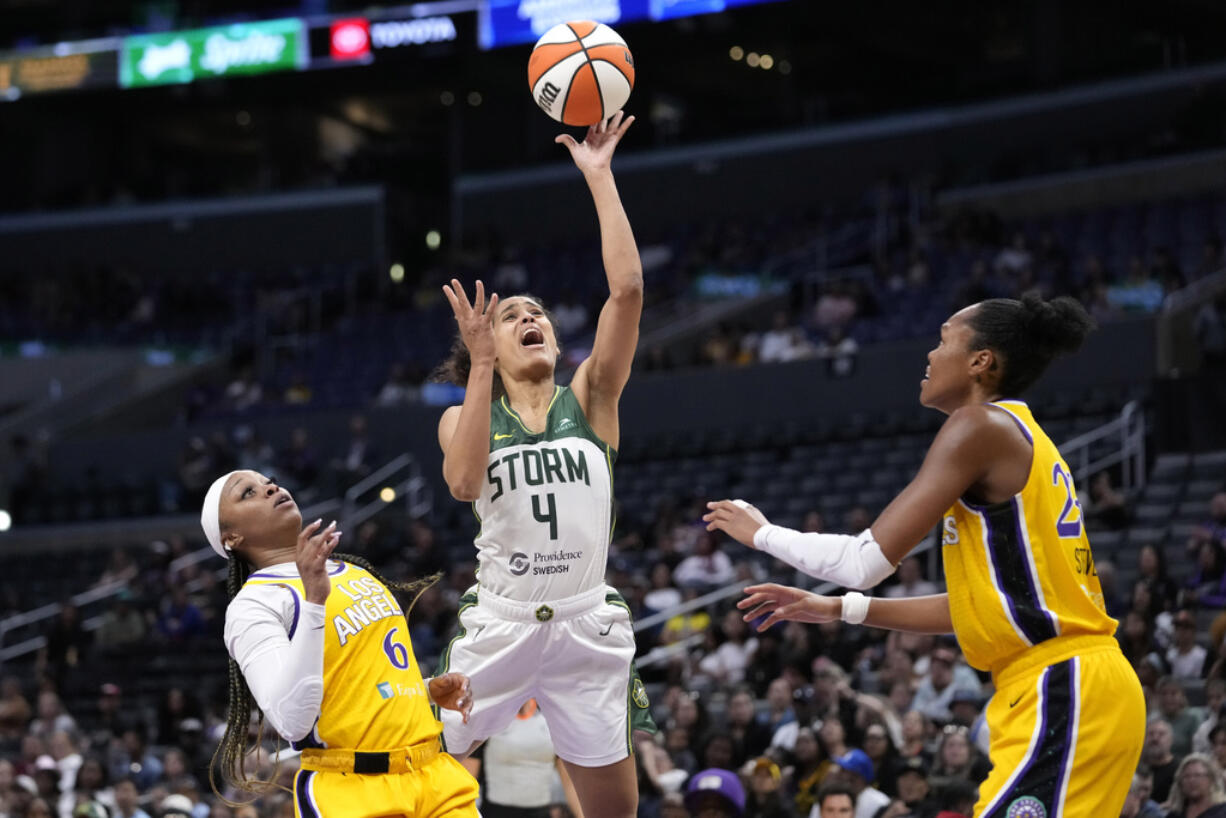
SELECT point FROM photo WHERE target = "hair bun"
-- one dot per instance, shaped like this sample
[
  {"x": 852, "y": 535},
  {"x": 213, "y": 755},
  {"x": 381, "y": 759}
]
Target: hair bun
[{"x": 1058, "y": 326}]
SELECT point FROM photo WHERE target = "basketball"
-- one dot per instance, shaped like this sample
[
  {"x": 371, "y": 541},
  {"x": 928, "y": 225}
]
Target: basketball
[{"x": 581, "y": 72}]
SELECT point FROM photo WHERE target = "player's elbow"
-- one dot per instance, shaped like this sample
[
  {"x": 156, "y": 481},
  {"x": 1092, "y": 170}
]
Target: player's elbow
[
  {"x": 466, "y": 491},
  {"x": 629, "y": 288}
]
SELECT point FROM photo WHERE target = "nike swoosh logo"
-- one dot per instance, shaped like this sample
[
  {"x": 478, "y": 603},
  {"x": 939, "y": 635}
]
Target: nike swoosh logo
[
  {"x": 608, "y": 628},
  {"x": 1015, "y": 701},
  {"x": 502, "y": 437}
]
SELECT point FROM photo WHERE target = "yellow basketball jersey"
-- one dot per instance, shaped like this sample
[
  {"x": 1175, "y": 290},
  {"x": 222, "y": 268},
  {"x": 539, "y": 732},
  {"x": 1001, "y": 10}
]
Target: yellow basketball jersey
[
  {"x": 1020, "y": 572},
  {"x": 374, "y": 695}
]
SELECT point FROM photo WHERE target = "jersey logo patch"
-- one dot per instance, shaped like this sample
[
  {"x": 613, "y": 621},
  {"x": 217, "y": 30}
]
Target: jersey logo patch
[
  {"x": 544, "y": 613},
  {"x": 639, "y": 694},
  {"x": 1026, "y": 807},
  {"x": 502, "y": 437},
  {"x": 566, "y": 423},
  {"x": 385, "y": 689},
  {"x": 519, "y": 563}
]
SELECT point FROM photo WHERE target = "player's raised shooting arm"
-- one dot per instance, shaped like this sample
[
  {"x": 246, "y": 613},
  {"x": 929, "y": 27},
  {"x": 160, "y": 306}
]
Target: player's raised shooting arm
[{"x": 604, "y": 374}]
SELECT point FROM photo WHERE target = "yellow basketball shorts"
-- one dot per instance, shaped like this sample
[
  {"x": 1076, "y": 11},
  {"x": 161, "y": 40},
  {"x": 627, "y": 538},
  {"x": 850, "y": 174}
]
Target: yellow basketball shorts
[
  {"x": 1065, "y": 735},
  {"x": 442, "y": 787}
]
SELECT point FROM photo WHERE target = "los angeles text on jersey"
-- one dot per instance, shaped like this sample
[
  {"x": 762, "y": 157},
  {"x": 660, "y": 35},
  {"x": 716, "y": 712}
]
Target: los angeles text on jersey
[
  {"x": 537, "y": 466},
  {"x": 371, "y": 602}
]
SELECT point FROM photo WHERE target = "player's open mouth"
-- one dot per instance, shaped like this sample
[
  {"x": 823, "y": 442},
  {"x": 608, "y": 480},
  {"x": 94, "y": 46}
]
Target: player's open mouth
[
  {"x": 282, "y": 499},
  {"x": 532, "y": 338}
]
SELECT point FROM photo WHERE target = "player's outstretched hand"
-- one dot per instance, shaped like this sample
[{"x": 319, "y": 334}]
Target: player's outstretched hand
[
  {"x": 786, "y": 604},
  {"x": 315, "y": 545},
  {"x": 451, "y": 691},
  {"x": 736, "y": 518},
  {"x": 595, "y": 152},
  {"x": 476, "y": 320}
]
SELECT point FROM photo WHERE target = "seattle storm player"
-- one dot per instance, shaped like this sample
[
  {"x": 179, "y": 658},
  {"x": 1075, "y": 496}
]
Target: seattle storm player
[
  {"x": 536, "y": 461},
  {"x": 1067, "y": 720}
]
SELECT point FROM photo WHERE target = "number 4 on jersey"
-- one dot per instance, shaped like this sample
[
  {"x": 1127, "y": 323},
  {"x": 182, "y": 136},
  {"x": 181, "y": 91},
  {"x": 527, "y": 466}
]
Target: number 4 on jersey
[{"x": 551, "y": 517}]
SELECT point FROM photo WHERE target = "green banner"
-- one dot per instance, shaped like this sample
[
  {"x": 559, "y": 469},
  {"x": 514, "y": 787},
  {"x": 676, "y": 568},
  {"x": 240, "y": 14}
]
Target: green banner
[{"x": 223, "y": 51}]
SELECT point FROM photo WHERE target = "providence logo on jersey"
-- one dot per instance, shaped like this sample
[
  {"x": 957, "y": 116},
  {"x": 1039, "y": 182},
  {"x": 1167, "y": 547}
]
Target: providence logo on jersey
[
  {"x": 388, "y": 690},
  {"x": 551, "y": 562}
]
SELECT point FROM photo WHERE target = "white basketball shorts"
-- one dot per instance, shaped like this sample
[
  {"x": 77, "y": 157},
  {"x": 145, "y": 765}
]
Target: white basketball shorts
[{"x": 574, "y": 656}]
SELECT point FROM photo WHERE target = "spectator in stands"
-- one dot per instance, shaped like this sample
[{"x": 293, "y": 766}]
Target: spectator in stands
[
  {"x": 133, "y": 758},
  {"x": 108, "y": 724},
  {"x": 662, "y": 594},
  {"x": 945, "y": 676},
  {"x": 1157, "y": 755},
  {"x": 881, "y": 751},
  {"x": 127, "y": 800},
  {"x": 92, "y": 784},
  {"x": 1136, "y": 637},
  {"x": 915, "y": 790},
  {"x": 956, "y": 799},
  {"x": 750, "y": 737},
  {"x": 707, "y": 568},
  {"x": 733, "y": 650},
  {"x": 1212, "y": 258},
  {"x": 835, "y": 800},
  {"x": 570, "y": 316},
  {"x": 854, "y": 770},
  {"x": 1166, "y": 270},
  {"x": 1206, "y": 586},
  {"x": 1137, "y": 804},
  {"x": 1173, "y": 708},
  {"x": 835, "y": 307},
  {"x": 68, "y": 761},
  {"x": 176, "y": 706},
  {"x": 1215, "y": 697},
  {"x": 51, "y": 716},
  {"x": 781, "y": 341},
  {"x": 1112, "y": 601},
  {"x": 1217, "y": 742},
  {"x": 1213, "y": 529},
  {"x": 832, "y": 736},
  {"x": 15, "y": 711},
  {"x": 807, "y": 769},
  {"x": 1139, "y": 291},
  {"x": 244, "y": 391},
  {"x": 195, "y": 469},
  {"x": 1151, "y": 566},
  {"x": 765, "y": 798},
  {"x": 1186, "y": 658},
  {"x": 122, "y": 624},
  {"x": 715, "y": 793},
  {"x": 1198, "y": 791},
  {"x": 720, "y": 346},
  {"x": 179, "y": 620},
  {"x": 1014, "y": 257},
  {"x": 716, "y": 750},
  {"x": 911, "y": 580},
  {"x": 1108, "y": 507},
  {"x": 399, "y": 390},
  {"x": 957, "y": 758},
  {"x": 916, "y": 728},
  {"x": 839, "y": 350},
  {"x": 120, "y": 567},
  {"x": 66, "y": 643}
]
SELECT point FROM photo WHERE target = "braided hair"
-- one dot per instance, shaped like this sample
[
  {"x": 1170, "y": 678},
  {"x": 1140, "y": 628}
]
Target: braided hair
[{"x": 230, "y": 758}]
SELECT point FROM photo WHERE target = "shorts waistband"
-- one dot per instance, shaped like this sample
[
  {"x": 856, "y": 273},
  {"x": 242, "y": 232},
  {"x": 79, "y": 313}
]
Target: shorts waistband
[
  {"x": 401, "y": 760},
  {"x": 555, "y": 610},
  {"x": 1047, "y": 653}
]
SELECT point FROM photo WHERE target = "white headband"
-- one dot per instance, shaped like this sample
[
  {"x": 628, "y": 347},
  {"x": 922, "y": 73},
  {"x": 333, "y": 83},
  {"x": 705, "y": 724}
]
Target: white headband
[{"x": 210, "y": 515}]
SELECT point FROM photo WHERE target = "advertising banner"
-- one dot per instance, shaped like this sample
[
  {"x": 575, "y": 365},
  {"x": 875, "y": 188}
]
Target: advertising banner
[
  {"x": 223, "y": 51},
  {"x": 63, "y": 67}
]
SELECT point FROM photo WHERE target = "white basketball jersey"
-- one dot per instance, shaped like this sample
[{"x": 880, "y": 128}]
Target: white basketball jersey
[{"x": 546, "y": 508}]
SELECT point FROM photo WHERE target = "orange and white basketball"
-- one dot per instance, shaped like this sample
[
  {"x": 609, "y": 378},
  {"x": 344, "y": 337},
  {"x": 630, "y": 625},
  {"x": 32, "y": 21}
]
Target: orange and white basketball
[{"x": 581, "y": 73}]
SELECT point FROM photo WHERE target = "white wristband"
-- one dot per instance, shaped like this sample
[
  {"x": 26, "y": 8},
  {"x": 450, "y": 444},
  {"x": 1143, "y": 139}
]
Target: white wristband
[{"x": 855, "y": 607}]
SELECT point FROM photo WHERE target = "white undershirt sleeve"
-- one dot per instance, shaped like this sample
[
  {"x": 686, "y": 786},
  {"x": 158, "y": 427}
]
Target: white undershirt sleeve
[
  {"x": 285, "y": 674},
  {"x": 853, "y": 562}
]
